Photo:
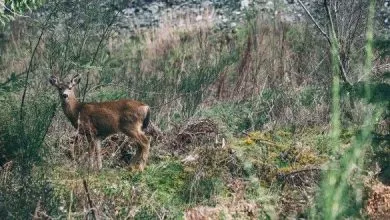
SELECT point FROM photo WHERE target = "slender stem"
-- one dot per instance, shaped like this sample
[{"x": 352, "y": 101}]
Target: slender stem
[
  {"x": 341, "y": 66},
  {"x": 30, "y": 65},
  {"x": 90, "y": 203},
  {"x": 336, "y": 42},
  {"x": 105, "y": 33},
  {"x": 28, "y": 73},
  {"x": 315, "y": 22},
  {"x": 7, "y": 9}
]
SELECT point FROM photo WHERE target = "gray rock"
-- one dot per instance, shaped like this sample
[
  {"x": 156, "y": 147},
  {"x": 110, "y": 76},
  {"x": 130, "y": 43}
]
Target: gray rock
[
  {"x": 227, "y": 13},
  {"x": 206, "y": 4},
  {"x": 129, "y": 11},
  {"x": 270, "y": 4},
  {"x": 154, "y": 8},
  {"x": 244, "y": 4}
]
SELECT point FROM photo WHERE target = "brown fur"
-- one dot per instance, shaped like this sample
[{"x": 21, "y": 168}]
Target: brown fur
[{"x": 97, "y": 120}]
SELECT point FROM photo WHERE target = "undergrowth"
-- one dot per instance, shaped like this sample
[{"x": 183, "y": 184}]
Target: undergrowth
[{"x": 294, "y": 139}]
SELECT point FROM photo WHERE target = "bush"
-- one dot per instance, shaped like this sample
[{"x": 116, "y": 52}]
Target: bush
[{"x": 22, "y": 147}]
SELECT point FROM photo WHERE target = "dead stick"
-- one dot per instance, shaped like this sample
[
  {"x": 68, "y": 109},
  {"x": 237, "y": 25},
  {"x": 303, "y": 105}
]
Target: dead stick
[
  {"x": 89, "y": 199},
  {"x": 341, "y": 66},
  {"x": 315, "y": 22},
  {"x": 37, "y": 208}
]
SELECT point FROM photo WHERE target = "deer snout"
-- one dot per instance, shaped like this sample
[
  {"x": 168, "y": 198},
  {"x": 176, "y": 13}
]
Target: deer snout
[{"x": 64, "y": 95}]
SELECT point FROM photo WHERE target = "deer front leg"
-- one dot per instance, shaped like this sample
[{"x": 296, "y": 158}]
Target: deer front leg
[
  {"x": 94, "y": 151},
  {"x": 98, "y": 153},
  {"x": 91, "y": 149}
]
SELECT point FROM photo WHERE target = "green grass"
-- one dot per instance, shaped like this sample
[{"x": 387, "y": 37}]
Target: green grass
[
  {"x": 276, "y": 125},
  {"x": 340, "y": 195}
]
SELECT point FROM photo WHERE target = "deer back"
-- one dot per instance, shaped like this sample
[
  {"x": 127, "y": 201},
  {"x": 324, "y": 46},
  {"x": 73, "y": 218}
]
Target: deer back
[{"x": 105, "y": 118}]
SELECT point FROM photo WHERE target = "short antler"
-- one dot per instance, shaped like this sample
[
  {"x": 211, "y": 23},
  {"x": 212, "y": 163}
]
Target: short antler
[
  {"x": 75, "y": 79},
  {"x": 53, "y": 80}
]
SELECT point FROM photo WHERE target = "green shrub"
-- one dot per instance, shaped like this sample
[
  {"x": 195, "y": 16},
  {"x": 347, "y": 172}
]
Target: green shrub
[{"x": 22, "y": 143}]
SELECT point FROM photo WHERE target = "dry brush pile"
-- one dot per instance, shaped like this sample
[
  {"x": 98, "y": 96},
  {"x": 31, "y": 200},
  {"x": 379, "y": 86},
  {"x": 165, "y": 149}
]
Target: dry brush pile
[{"x": 241, "y": 119}]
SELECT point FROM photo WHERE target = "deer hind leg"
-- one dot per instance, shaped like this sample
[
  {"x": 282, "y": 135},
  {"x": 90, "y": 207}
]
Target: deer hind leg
[
  {"x": 145, "y": 147},
  {"x": 142, "y": 152}
]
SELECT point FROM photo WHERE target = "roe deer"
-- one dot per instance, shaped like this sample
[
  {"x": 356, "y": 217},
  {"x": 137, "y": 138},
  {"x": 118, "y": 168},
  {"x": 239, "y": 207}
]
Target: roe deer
[{"x": 98, "y": 120}]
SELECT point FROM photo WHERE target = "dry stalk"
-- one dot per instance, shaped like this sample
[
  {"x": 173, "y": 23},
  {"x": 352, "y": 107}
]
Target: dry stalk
[{"x": 90, "y": 203}]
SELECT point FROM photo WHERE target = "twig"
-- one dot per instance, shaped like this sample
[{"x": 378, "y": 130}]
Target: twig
[
  {"x": 303, "y": 170},
  {"x": 315, "y": 22},
  {"x": 6, "y": 8},
  {"x": 105, "y": 33},
  {"x": 53, "y": 113},
  {"x": 90, "y": 203},
  {"x": 125, "y": 141},
  {"x": 328, "y": 13},
  {"x": 11, "y": 78},
  {"x": 44, "y": 215},
  {"x": 37, "y": 208},
  {"x": 28, "y": 73},
  {"x": 335, "y": 40},
  {"x": 341, "y": 66},
  {"x": 31, "y": 63},
  {"x": 317, "y": 66}
]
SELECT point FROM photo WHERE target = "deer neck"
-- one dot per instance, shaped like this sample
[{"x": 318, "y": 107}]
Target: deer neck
[{"x": 71, "y": 109}]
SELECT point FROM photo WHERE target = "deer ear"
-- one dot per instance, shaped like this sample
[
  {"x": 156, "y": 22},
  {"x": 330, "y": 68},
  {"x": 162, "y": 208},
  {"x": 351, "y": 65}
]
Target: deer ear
[
  {"x": 76, "y": 79},
  {"x": 53, "y": 80}
]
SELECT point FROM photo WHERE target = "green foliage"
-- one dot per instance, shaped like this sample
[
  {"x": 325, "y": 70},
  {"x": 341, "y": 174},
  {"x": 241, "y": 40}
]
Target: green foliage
[
  {"x": 20, "y": 195},
  {"x": 309, "y": 96},
  {"x": 167, "y": 187},
  {"x": 15, "y": 8},
  {"x": 340, "y": 192},
  {"x": 109, "y": 94},
  {"x": 381, "y": 156},
  {"x": 175, "y": 77},
  {"x": 236, "y": 117},
  {"x": 269, "y": 154},
  {"x": 268, "y": 197},
  {"x": 383, "y": 46},
  {"x": 14, "y": 83},
  {"x": 162, "y": 184},
  {"x": 189, "y": 87},
  {"x": 380, "y": 92},
  {"x": 22, "y": 144},
  {"x": 22, "y": 139}
]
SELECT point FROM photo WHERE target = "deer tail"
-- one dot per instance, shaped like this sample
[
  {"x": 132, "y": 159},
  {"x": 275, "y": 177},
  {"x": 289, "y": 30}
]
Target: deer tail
[{"x": 146, "y": 121}]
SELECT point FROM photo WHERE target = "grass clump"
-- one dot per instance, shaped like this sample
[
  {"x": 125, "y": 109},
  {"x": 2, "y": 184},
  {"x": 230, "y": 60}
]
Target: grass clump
[
  {"x": 268, "y": 155},
  {"x": 273, "y": 88}
]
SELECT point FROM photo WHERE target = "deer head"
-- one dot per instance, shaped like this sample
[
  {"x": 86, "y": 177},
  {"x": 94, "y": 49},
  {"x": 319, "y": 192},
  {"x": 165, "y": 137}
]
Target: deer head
[{"x": 65, "y": 90}]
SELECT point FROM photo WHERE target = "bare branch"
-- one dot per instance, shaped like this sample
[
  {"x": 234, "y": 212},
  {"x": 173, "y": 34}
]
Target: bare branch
[
  {"x": 341, "y": 66},
  {"x": 315, "y": 22},
  {"x": 29, "y": 68},
  {"x": 329, "y": 14},
  {"x": 105, "y": 34},
  {"x": 90, "y": 203},
  {"x": 11, "y": 11},
  {"x": 335, "y": 40}
]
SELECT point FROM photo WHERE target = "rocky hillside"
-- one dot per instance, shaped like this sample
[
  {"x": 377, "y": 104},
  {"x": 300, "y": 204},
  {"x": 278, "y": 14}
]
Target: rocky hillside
[{"x": 226, "y": 13}]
